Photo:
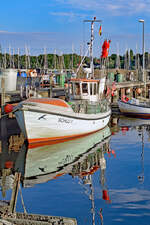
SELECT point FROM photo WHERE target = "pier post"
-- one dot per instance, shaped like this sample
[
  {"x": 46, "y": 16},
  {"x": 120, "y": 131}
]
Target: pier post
[
  {"x": 50, "y": 92},
  {"x": 122, "y": 92},
  {"x": 14, "y": 195},
  {"x": 3, "y": 91}
]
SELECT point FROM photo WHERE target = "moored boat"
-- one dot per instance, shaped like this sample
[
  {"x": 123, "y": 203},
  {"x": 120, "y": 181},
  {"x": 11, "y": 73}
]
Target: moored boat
[
  {"x": 135, "y": 108},
  {"x": 55, "y": 120}
]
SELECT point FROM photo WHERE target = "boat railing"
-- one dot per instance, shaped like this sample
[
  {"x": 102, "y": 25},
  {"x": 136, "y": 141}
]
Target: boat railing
[{"x": 90, "y": 107}]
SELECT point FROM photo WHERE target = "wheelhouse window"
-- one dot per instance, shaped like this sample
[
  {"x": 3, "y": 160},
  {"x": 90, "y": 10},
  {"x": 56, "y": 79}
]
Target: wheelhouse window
[
  {"x": 77, "y": 89},
  {"x": 93, "y": 88},
  {"x": 84, "y": 88}
]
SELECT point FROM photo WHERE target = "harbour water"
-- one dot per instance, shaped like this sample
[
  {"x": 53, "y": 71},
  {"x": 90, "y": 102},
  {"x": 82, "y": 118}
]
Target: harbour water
[{"x": 99, "y": 179}]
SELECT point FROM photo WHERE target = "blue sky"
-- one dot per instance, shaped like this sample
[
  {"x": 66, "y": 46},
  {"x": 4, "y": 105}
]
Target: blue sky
[{"x": 57, "y": 25}]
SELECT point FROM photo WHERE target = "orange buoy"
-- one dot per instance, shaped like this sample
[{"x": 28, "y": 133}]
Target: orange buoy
[
  {"x": 105, "y": 195},
  {"x": 125, "y": 128},
  {"x": 112, "y": 93},
  {"x": 112, "y": 151},
  {"x": 66, "y": 85},
  {"x": 8, "y": 108},
  {"x": 138, "y": 91},
  {"x": 9, "y": 164}
]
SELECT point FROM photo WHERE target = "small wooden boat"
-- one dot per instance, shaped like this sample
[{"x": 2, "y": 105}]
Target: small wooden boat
[{"x": 134, "y": 108}]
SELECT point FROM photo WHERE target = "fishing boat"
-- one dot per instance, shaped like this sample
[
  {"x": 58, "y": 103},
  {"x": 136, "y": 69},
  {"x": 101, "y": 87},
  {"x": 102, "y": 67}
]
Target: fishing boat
[
  {"x": 54, "y": 120},
  {"x": 135, "y": 108}
]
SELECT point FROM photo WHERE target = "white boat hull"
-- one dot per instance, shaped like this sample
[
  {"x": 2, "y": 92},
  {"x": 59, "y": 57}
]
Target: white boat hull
[
  {"x": 139, "y": 111},
  {"x": 41, "y": 127},
  {"x": 57, "y": 123}
]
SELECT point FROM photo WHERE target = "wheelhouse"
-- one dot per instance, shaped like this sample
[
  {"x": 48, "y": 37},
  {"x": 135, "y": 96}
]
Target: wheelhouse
[{"x": 85, "y": 89}]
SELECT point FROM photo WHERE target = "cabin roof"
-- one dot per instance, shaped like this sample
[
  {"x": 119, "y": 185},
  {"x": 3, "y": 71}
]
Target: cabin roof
[{"x": 50, "y": 101}]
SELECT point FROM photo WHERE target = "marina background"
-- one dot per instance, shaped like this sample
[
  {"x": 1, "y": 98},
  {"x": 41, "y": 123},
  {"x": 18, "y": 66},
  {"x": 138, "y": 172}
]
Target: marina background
[
  {"x": 57, "y": 25},
  {"x": 101, "y": 178}
]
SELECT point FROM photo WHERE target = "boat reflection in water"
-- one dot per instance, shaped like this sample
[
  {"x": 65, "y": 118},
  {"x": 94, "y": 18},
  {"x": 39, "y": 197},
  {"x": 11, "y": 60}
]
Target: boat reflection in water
[
  {"x": 13, "y": 151},
  {"x": 133, "y": 122},
  {"x": 48, "y": 162},
  {"x": 143, "y": 127},
  {"x": 81, "y": 157}
]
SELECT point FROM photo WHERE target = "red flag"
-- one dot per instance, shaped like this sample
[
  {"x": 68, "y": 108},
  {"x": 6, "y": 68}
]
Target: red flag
[{"x": 100, "y": 30}]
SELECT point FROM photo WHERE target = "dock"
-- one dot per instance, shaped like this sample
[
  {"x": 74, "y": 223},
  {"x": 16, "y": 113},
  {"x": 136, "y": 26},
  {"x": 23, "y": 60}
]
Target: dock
[
  {"x": 127, "y": 83},
  {"x": 35, "y": 219},
  {"x": 9, "y": 216}
]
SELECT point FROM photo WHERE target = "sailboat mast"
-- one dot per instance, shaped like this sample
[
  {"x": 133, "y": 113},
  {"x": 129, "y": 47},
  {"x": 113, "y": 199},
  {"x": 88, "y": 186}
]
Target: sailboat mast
[{"x": 18, "y": 59}]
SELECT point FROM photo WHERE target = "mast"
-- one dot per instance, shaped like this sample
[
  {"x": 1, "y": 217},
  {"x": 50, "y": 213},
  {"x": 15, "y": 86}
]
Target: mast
[
  {"x": 136, "y": 58},
  {"x": 72, "y": 57},
  {"x": 18, "y": 58},
  {"x": 9, "y": 56},
  {"x": 5, "y": 62},
  {"x": 129, "y": 60},
  {"x": 26, "y": 55},
  {"x": 54, "y": 60},
  {"x": 13, "y": 59},
  {"x": 45, "y": 60},
  {"x": 28, "y": 49},
  {"x": 141, "y": 176},
  {"x": 118, "y": 57},
  {"x": 1, "y": 62},
  {"x": 91, "y": 42}
]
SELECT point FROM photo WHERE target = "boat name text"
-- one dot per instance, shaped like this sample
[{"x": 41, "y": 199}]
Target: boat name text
[{"x": 62, "y": 120}]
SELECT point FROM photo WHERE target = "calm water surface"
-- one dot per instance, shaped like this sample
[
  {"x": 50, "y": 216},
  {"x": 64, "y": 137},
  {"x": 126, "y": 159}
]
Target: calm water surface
[{"x": 108, "y": 172}]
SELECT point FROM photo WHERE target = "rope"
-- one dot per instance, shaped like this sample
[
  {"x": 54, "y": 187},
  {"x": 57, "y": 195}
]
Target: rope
[
  {"x": 6, "y": 114},
  {"x": 22, "y": 200}
]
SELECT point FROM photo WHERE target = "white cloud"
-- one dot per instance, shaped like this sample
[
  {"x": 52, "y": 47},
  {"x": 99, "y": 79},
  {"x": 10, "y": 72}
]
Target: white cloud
[
  {"x": 3, "y": 31},
  {"x": 118, "y": 7},
  {"x": 70, "y": 15},
  {"x": 130, "y": 198}
]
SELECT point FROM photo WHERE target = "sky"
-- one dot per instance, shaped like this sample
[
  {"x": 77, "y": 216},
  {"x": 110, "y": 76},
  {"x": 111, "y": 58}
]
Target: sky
[{"x": 49, "y": 26}]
